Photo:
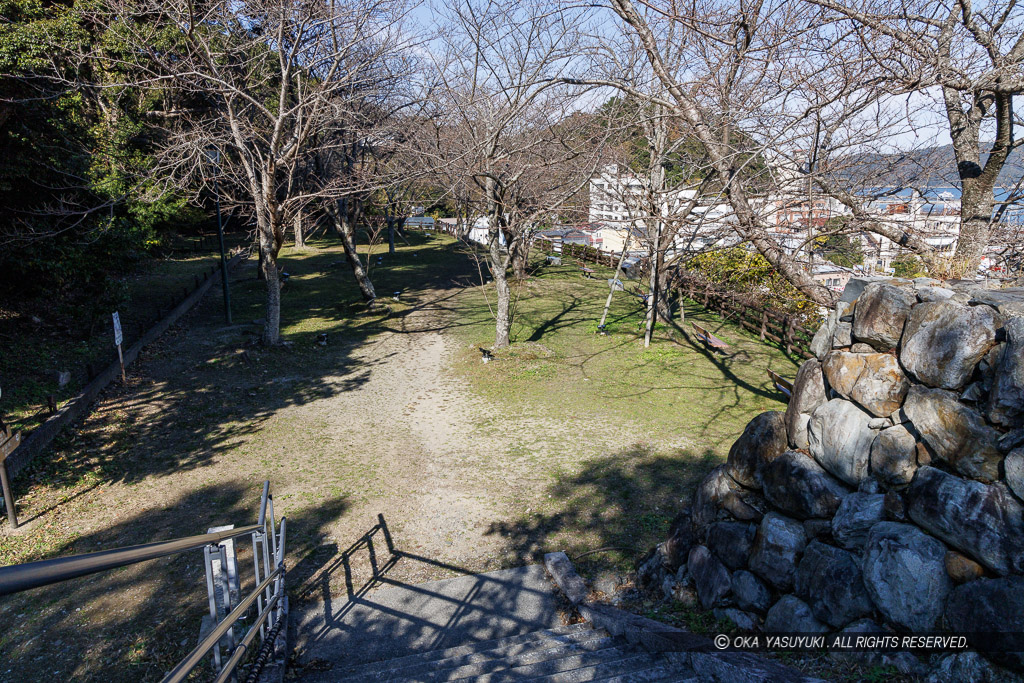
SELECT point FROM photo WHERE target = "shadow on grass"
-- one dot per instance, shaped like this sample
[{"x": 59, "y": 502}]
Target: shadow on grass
[
  {"x": 204, "y": 388},
  {"x": 135, "y": 623},
  {"x": 620, "y": 503}
]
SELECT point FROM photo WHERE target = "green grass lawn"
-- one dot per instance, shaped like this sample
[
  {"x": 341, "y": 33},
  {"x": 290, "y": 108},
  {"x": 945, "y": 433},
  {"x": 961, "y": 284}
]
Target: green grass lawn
[
  {"x": 677, "y": 404},
  {"x": 558, "y": 362},
  {"x": 567, "y": 441}
]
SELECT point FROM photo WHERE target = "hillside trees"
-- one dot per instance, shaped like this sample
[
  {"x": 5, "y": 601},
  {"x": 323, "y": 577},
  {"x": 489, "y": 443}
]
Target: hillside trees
[
  {"x": 259, "y": 87},
  {"x": 718, "y": 67},
  {"x": 789, "y": 84},
  {"x": 71, "y": 213}
]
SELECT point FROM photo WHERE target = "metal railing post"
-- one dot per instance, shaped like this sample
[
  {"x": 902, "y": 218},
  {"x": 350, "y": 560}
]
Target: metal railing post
[
  {"x": 211, "y": 593},
  {"x": 279, "y": 589},
  {"x": 256, "y": 571},
  {"x": 225, "y": 587}
]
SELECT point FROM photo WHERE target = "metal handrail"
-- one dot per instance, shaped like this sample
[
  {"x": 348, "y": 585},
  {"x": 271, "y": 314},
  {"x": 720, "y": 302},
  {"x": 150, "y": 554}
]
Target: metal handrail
[
  {"x": 263, "y": 503},
  {"x": 184, "y": 668},
  {"x": 243, "y": 646},
  {"x": 268, "y": 595},
  {"x": 21, "y": 577}
]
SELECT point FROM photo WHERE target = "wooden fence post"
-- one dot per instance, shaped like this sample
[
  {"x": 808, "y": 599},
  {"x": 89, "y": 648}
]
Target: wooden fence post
[{"x": 764, "y": 323}]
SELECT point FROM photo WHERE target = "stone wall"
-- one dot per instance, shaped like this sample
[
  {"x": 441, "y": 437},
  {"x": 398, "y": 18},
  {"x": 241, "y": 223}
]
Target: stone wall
[{"x": 888, "y": 496}]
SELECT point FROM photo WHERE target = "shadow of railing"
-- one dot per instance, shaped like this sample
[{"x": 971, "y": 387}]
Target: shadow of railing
[{"x": 414, "y": 617}]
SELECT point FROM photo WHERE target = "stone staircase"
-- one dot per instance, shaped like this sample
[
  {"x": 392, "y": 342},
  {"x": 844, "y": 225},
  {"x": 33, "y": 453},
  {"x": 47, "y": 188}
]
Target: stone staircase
[
  {"x": 499, "y": 626},
  {"x": 565, "y": 654}
]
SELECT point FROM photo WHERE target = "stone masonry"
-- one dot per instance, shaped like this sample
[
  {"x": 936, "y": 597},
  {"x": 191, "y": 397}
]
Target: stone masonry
[{"x": 890, "y": 495}]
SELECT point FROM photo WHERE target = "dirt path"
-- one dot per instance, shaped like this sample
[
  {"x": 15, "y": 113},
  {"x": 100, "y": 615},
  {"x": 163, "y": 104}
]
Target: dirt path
[
  {"x": 381, "y": 424},
  {"x": 414, "y": 423}
]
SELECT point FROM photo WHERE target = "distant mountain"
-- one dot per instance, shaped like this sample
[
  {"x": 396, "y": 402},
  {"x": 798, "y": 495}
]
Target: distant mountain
[{"x": 929, "y": 166}]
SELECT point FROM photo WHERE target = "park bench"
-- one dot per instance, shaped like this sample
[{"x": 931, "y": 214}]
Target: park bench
[
  {"x": 781, "y": 383},
  {"x": 587, "y": 272},
  {"x": 709, "y": 339}
]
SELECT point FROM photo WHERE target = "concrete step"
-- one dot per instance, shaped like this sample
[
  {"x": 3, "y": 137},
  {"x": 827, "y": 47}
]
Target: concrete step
[
  {"x": 479, "y": 657},
  {"x": 398, "y": 620},
  {"x": 559, "y": 665},
  {"x": 633, "y": 666},
  {"x": 576, "y": 631},
  {"x": 660, "y": 672}
]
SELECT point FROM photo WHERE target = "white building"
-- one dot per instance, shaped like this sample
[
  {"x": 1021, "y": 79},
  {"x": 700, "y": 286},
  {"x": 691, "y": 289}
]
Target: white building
[{"x": 621, "y": 203}]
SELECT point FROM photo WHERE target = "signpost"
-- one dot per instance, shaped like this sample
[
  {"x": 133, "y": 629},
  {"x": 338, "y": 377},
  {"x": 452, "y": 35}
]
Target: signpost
[
  {"x": 8, "y": 442},
  {"x": 118, "y": 338}
]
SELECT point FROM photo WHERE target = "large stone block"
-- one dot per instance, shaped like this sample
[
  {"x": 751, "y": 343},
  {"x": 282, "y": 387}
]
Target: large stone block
[
  {"x": 821, "y": 343},
  {"x": 710, "y": 576},
  {"x": 905, "y": 575},
  {"x": 797, "y": 485},
  {"x": 1008, "y": 301},
  {"x": 881, "y": 311},
  {"x": 808, "y": 394},
  {"x": 943, "y": 342},
  {"x": 730, "y": 542},
  {"x": 983, "y": 521},
  {"x": 829, "y": 580},
  {"x": 1014, "y": 468},
  {"x": 840, "y": 437},
  {"x": 995, "y": 608},
  {"x": 763, "y": 440},
  {"x": 956, "y": 434},
  {"x": 777, "y": 547},
  {"x": 719, "y": 497},
  {"x": 843, "y": 336},
  {"x": 1006, "y": 398},
  {"x": 874, "y": 380},
  {"x": 680, "y": 539},
  {"x": 894, "y": 456},
  {"x": 933, "y": 293},
  {"x": 855, "y": 517},
  {"x": 855, "y": 287},
  {"x": 749, "y": 592},
  {"x": 792, "y": 615}
]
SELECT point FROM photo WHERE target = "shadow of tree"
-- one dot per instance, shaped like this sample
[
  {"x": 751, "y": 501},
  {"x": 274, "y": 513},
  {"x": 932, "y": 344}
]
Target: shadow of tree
[
  {"x": 135, "y": 623},
  {"x": 203, "y": 388},
  {"x": 622, "y": 503}
]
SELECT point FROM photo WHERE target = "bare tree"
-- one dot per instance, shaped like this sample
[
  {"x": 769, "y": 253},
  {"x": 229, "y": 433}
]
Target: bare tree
[
  {"x": 507, "y": 127},
  {"x": 262, "y": 83},
  {"x": 782, "y": 107},
  {"x": 972, "y": 58}
]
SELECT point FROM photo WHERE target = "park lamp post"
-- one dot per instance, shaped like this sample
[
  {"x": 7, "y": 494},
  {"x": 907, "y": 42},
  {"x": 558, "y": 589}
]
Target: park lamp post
[{"x": 213, "y": 154}]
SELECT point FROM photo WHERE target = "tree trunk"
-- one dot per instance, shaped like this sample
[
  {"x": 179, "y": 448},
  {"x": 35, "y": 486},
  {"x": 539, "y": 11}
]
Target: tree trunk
[
  {"x": 977, "y": 180},
  {"x": 268, "y": 272},
  {"x": 652, "y": 296},
  {"x": 391, "y": 235},
  {"x": 503, "y": 317},
  {"x": 300, "y": 239},
  {"x": 616, "y": 277},
  {"x": 663, "y": 306},
  {"x": 519, "y": 252},
  {"x": 747, "y": 224},
  {"x": 345, "y": 229}
]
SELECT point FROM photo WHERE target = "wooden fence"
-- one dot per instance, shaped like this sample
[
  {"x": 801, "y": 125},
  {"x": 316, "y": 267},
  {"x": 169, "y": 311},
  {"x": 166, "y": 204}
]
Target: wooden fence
[
  {"x": 77, "y": 406},
  {"x": 784, "y": 329}
]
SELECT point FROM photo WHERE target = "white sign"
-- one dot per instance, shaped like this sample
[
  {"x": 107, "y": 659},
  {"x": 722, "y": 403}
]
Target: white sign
[{"x": 118, "y": 337}]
